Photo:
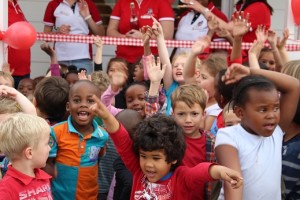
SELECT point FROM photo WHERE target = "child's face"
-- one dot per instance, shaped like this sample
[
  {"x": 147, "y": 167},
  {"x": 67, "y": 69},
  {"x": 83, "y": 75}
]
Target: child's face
[
  {"x": 189, "y": 119},
  {"x": 26, "y": 87},
  {"x": 117, "y": 66},
  {"x": 230, "y": 118},
  {"x": 206, "y": 81},
  {"x": 41, "y": 152},
  {"x": 80, "y": 100},
  {"x": 138, "y": 74},
  {"x": 268, "y": 59},
  {"x": 72, "y": 78},
  {"x": 154, "y": 164},
  {"x": 177, "y": 69},
  {"x": 5, "y": 81},
  {"x": 260, "y": 115},
  {"x": 135, "y": 99}
]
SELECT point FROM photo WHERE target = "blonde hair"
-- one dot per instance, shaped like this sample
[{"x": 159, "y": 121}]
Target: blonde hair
[
  {"x": 8, "y": 105},
  {"x": 292, "y": 68},
  {"x": 7, "y": 76},
  {"x": 20, "y": 131},
  {"x": 181, "y": 54},
  {"x": 189, "y": 94},
  {"x": 101, "y": 80},
  {"x": 226, "y": 109},
  {"x": 215, "y": 63}
]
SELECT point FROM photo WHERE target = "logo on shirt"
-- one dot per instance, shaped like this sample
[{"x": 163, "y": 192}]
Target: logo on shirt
[
  {"x": 39, "y": 193},
  {"x": 148, "y": 14},
  {"x": 94, "y": 153},
  {"x": 51, "y": 141}
]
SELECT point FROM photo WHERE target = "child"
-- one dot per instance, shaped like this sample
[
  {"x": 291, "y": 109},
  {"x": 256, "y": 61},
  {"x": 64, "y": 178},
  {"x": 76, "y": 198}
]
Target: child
[
  {"x": 24, "y": 140},
  {"x": 207, "y": 73},
  {"x": 154, "y": 157},
  {"x": 12, "y": 101},
  {"x": 254, "y": 146},
  {"x": 291, "y": 143},
  {"x": 229, "y": 116},
  {"x": 188, "y": 104},
  {"x": 123, "y": 178},
  {"x": 6, "y": 79},
  {"x": 50, "y": 99},
  {"x": 76, "y": 146},
  {"x": 26, "y": 87}
]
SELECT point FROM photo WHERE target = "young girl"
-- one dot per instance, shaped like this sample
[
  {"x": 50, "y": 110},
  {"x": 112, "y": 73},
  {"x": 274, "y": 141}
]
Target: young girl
[{"x": 254, "y": 146}]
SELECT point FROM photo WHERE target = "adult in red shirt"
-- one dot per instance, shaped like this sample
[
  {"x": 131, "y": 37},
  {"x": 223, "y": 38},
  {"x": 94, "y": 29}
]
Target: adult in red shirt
[
  {"x": 259, "y": 14},
  {"x": 120, "y": 26},
  {"x": 19, "y": 60}
]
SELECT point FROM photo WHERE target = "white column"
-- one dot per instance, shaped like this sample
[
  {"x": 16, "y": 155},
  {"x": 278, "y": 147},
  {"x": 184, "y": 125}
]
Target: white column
[
  {"x": 227, "y": 7},
  {"x": 3, "y": 26}
]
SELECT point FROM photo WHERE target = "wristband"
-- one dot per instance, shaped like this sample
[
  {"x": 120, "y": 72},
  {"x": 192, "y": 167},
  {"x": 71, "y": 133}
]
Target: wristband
[
  {"x": 206, "y": 10},
  {"x": 87, "y": 17}
]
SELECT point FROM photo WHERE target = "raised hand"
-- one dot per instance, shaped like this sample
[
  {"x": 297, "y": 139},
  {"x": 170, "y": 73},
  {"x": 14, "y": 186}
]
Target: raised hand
[
  {"x": 234, "y": 73},
  {"x": 48, "y": 49},
  {"x": 147, "y": 34},
  {"x": 10, "y": 92},
  {"x": 82, "y": 76},
  {"x": 261, "y": 34},
  {"x": 212, "y": 23},
  {"x": 118, "y": 80},
  {"x": 256, "y": 48},
  {"x": 200, "y": 44},
  {"x": 281, "y": 43},
  {"x": 156, "y": 28},
  {"x": 240, "y": 24},
  {"x": 98, "y": 41},
  {"x": 155, "y": 71},
  {"x": 6, "y": 68},
  {"x": 272, "y": 38},
  {"x": 84, "y": 9}
]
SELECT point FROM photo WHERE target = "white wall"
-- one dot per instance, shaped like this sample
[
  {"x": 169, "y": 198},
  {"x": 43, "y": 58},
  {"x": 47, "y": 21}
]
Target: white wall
[{"x": 34, "y": 12}]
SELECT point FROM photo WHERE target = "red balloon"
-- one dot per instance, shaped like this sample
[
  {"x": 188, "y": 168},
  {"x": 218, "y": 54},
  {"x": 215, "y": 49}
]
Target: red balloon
[
  {"x": 20, "y": 35},
  {"x": 296, "y": 11}
]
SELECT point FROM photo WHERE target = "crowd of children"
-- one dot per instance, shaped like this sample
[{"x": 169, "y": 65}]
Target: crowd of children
[{"x": 191, "y": 128}]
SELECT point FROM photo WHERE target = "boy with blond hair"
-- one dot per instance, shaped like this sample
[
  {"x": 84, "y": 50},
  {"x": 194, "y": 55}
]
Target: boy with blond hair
[
  {"x": 6, "y": 79},
  {"x": 24, "y": 140}
]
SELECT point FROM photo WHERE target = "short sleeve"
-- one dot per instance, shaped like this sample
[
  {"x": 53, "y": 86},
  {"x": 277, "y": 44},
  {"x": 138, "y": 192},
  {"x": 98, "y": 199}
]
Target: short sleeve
[
  {"x": 49, "y": 18},
  {"x": 52, "y": 144},
  {"x": 225, "y": 136},
  {"x": 165, "y": 11},
  {"x": 94, "y": 12},
  {"x": 115, "y": 14}
]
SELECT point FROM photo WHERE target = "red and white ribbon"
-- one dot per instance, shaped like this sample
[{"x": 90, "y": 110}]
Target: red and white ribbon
[{"x": 138, "y": 42}]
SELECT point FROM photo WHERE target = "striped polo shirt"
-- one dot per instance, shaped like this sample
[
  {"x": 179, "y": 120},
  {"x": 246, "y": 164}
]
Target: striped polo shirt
[{"x": 76, "y": 159}]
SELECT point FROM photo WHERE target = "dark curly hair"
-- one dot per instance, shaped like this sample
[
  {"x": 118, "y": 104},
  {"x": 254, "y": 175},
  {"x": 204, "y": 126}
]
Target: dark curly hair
[{"x": 160, "y": 132}]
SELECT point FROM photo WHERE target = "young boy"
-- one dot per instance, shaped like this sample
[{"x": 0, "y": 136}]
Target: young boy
[
  {"x": 155, "y": 160},
  {"x": 50, "y": 99},
  {"x": 76, "y": 146},
  {"x": 6, "y": 79},
  {"x": 24, "y": 140},
  {"x": 188, "y": 104}
]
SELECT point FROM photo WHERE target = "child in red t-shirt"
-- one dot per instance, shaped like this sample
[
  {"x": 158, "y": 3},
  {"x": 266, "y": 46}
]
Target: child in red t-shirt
[
  {"x": 154, "y": 157},
  {"x": 24, "y": 140}
]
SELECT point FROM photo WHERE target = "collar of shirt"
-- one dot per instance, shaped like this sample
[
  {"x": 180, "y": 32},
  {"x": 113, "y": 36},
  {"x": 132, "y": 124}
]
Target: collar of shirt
[{"x": 25, "y": 179}]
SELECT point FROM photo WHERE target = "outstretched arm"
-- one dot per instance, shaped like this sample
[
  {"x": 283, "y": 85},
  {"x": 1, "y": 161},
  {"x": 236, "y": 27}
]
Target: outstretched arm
[
  {"x": 24, "y": 103},
  {"x": 190, "y": 63},
  {"x": 163, "y": 53},
  {"x": 289, "y": 88}
]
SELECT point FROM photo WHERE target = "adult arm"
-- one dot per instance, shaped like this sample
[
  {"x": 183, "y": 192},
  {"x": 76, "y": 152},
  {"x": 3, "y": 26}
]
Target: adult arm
[{"x": 113, "y": 28}]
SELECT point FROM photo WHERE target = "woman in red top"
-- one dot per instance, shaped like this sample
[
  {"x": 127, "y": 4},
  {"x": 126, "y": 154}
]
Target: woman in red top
[{"x": 19, "y": 60}]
